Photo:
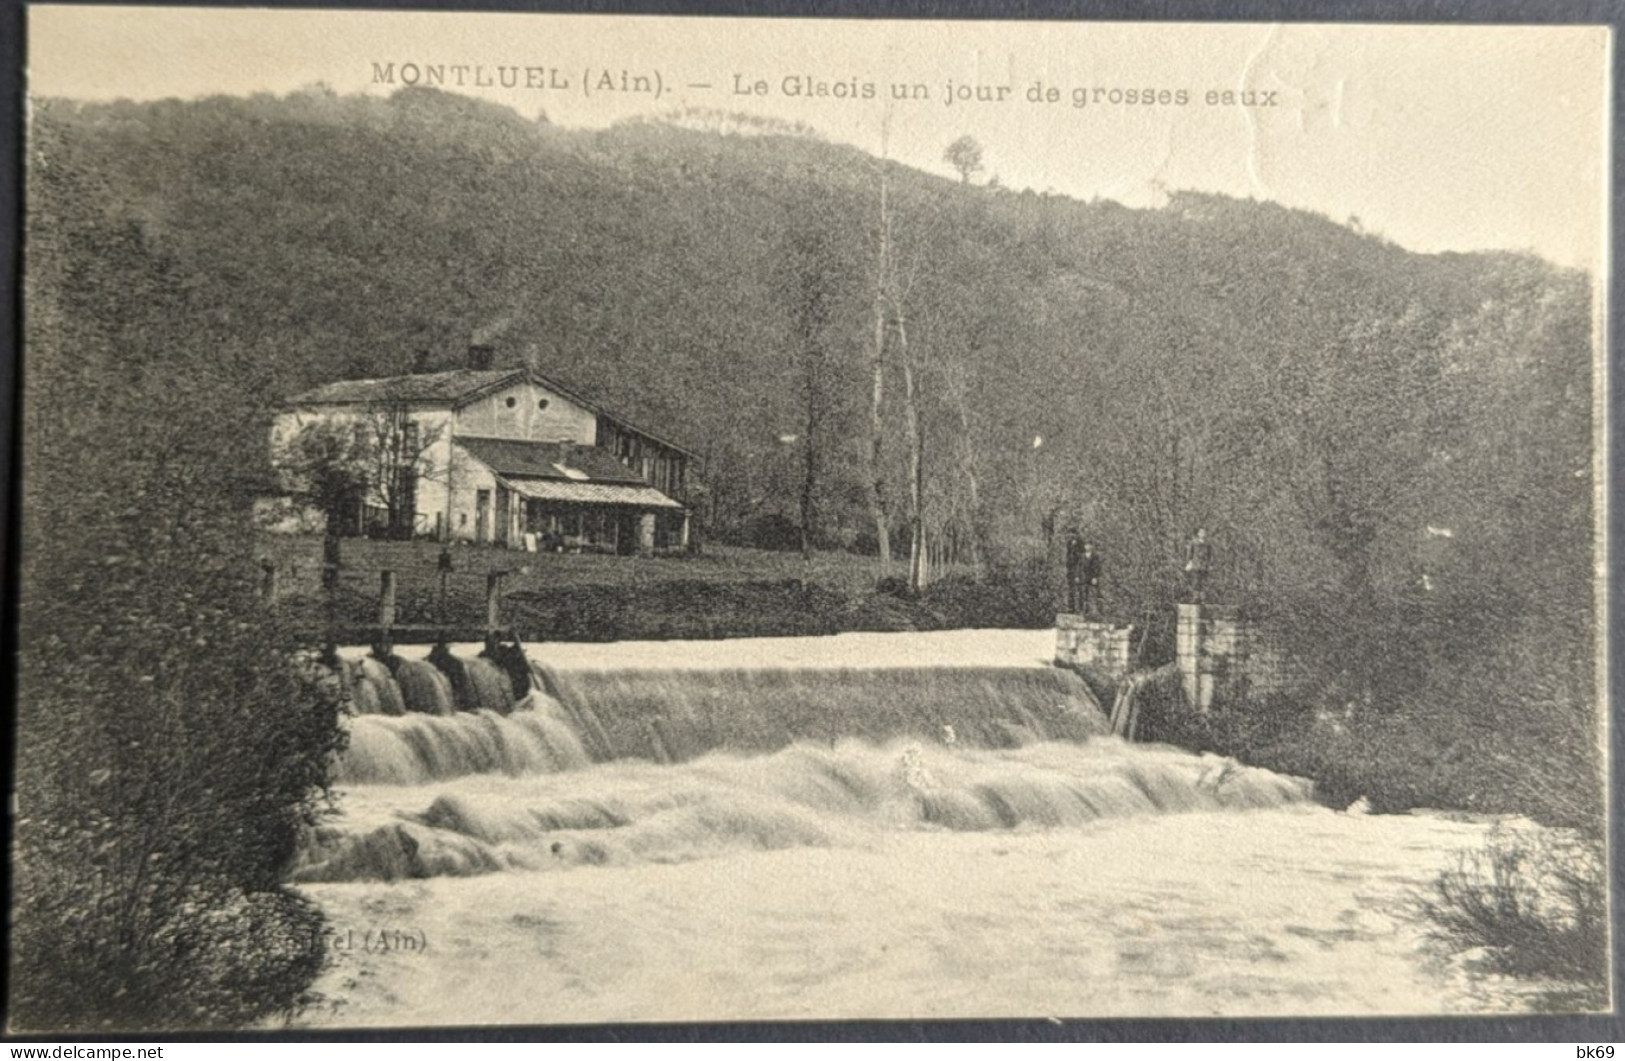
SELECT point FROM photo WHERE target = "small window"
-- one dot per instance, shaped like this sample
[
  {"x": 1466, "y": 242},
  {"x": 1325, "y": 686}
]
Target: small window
[
  {"x": 542, "y": 404},
  {"x": 512, "y": 401}
]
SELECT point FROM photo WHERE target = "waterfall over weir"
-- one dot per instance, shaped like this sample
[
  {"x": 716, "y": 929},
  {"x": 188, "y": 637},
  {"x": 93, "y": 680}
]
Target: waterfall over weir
[
  {"x": 670, "y": 714},
  {"x": 462, "y": 763},
  {"x": 794, "y": 828},
  {"x": 413, "y": 749},
  {"x": 440, "y": 684},
  {"x": 805, "y": 795}
]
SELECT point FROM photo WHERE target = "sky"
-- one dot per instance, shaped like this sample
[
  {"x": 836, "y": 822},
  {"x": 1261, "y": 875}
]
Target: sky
[{"x": 1437, "y": 137}]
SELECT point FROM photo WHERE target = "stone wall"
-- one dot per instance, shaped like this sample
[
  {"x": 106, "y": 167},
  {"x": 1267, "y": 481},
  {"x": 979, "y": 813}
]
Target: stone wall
[
  {"x": 1103, "y": 649},
  {"x": 1224, "y": 656}
]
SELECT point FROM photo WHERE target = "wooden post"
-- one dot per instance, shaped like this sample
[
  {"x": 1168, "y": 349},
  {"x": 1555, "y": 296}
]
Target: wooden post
[
  {"x": 386, "y": 611},
  {"x": 646, "y": 534},
  {"x": 493, "y": 607}
]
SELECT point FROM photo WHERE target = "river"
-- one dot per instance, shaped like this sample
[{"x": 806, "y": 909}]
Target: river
[{"x": 864, "y": 826}]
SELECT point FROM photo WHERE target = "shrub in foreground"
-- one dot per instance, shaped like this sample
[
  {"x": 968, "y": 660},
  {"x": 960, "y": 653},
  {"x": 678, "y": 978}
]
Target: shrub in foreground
[
  {"x": 1534, "y": 904},
  {"x": 168, "y": 749}
]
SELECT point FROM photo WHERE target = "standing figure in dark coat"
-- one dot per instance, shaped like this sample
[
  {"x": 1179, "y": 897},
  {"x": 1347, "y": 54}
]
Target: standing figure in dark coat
[
  {"x": 1198, "y": 562},
  {"x": 1074, "y": 572},
  {"x": 1090, "y": 571}
]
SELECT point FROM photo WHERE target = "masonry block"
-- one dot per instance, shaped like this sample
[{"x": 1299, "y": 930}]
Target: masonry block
[
  {"x": 1101, "y": 648},
  {"x": 1223, "y": 655}
]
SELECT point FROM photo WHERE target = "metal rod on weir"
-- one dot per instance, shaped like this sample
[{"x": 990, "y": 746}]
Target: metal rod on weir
[
  {"x": 493, "y": 607},
  {"x": 386, "y": 613}
]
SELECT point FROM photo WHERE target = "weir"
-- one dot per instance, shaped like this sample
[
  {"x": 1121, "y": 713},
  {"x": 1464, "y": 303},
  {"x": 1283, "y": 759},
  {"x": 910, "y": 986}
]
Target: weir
[
  {"x": 497, "y": 711},
  {"x": 668, "y": 751},
  {"x": 501, "y": 713}
]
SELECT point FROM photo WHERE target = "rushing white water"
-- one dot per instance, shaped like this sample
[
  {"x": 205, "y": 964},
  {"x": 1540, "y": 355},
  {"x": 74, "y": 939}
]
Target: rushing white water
[
  {"x": 630, "y": 812},
  {"x": 951, "y": 834}
]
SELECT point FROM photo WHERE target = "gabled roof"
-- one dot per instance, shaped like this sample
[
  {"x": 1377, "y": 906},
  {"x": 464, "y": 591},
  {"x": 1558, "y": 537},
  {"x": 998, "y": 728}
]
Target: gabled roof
[
  {"x": 457, "y": 387},
  {"x": 454, "y": 389},
  {"x": 563, "y": 461},
  {"x": 650, "y": 435}
]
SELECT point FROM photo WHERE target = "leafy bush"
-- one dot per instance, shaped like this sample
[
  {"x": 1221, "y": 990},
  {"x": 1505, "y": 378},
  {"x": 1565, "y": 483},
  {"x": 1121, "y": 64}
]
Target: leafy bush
[
  {"x": 169, "y": 751},
  {"x": 1015, "y": 596},
  {"x": 1535, "y": 904},
  {"x": 170, "y": 743}
]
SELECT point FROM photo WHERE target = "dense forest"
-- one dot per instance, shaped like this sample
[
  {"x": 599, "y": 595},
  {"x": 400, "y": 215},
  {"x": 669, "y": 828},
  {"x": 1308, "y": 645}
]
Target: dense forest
[{"x": 1392, "y": 451}]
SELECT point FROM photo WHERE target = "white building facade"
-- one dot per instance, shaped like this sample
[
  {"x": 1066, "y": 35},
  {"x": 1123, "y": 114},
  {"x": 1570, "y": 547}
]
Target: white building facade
[{"x": 499, "y": 457}]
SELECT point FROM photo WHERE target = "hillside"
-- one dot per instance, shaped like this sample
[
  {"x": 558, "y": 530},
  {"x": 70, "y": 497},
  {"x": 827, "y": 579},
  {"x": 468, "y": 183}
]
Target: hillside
[
  {"x": 1316, "y": 396},
  {"x": 649, "y": 266},
  {"x": 1392, "y": 452}
]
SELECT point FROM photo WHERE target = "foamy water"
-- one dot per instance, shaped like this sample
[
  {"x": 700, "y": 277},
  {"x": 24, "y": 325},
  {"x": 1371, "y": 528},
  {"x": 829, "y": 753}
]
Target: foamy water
[
  {"x": 1284, "y": 912},
  {"x": 672, "y": 841}
]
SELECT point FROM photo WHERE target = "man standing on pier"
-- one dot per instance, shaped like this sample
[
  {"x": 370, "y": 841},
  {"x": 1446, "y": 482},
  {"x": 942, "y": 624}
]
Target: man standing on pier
[
  {"x": 1074, "y": 571},
  {"x": 1082, "y": 576},
  {"x": 1198, "y": 562},
  {"x": 1091, "y": 581}
]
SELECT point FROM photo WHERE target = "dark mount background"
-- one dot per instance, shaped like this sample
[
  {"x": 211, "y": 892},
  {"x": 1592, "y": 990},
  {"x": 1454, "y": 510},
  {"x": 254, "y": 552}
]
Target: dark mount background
[
  {"x": 658, "y": 268},
  {"x": 1316, "y": 396},
  {"x": 1313, "y": 394}
]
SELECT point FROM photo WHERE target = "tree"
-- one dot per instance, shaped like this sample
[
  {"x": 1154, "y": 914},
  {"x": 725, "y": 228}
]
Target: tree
[
  {"x": 398, "y": 446},
  {"x": 964, "y": 155},
  {"x": 374, "y": 457},
  {"x": 811, "y": 293},
  {"x": 880, "y": 282},
  {"x": 173, "y": 737},
  {"x": 966, "y": 518},
  {"x": 913, "y": 361}
]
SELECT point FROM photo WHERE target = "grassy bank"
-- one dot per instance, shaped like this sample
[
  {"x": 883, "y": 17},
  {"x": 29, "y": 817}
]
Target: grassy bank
[
  {"x": 722, "y": 592},
  {"x": 1400, "y": 760}
]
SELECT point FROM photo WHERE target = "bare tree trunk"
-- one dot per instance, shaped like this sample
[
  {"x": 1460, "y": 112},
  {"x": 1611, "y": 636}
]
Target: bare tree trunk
[
  {"x": 812, "y": 355},
  {"x": 879, "y": 509},
  {"x": 916, "y": 463},
  {"x": 809, "y": 484},
  {"x": 956, "y": 386}
]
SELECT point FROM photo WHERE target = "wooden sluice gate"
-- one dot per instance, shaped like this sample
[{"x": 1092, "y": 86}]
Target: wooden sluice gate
[
  {"x": 501, "y": 645},
  {"x": 388, "y": 631},
  {"x": 1128, "y": 707}
]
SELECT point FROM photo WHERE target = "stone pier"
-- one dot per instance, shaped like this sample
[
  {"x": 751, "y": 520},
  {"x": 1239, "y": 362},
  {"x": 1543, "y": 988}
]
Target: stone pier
[
  {"x": 1101, "y": 649},
  {"x": 1223, "y": 656}
]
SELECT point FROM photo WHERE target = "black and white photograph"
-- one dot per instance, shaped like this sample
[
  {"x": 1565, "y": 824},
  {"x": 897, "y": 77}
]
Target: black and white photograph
[{"x": 570, "y": 519}]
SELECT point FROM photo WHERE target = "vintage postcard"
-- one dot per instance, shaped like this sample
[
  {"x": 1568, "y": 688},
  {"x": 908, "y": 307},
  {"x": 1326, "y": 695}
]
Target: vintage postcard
[{"x": 540, "y": 519}]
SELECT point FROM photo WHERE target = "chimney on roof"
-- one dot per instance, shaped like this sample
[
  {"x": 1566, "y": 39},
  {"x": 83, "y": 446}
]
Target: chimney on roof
[{"x": 481, "y": 356}]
